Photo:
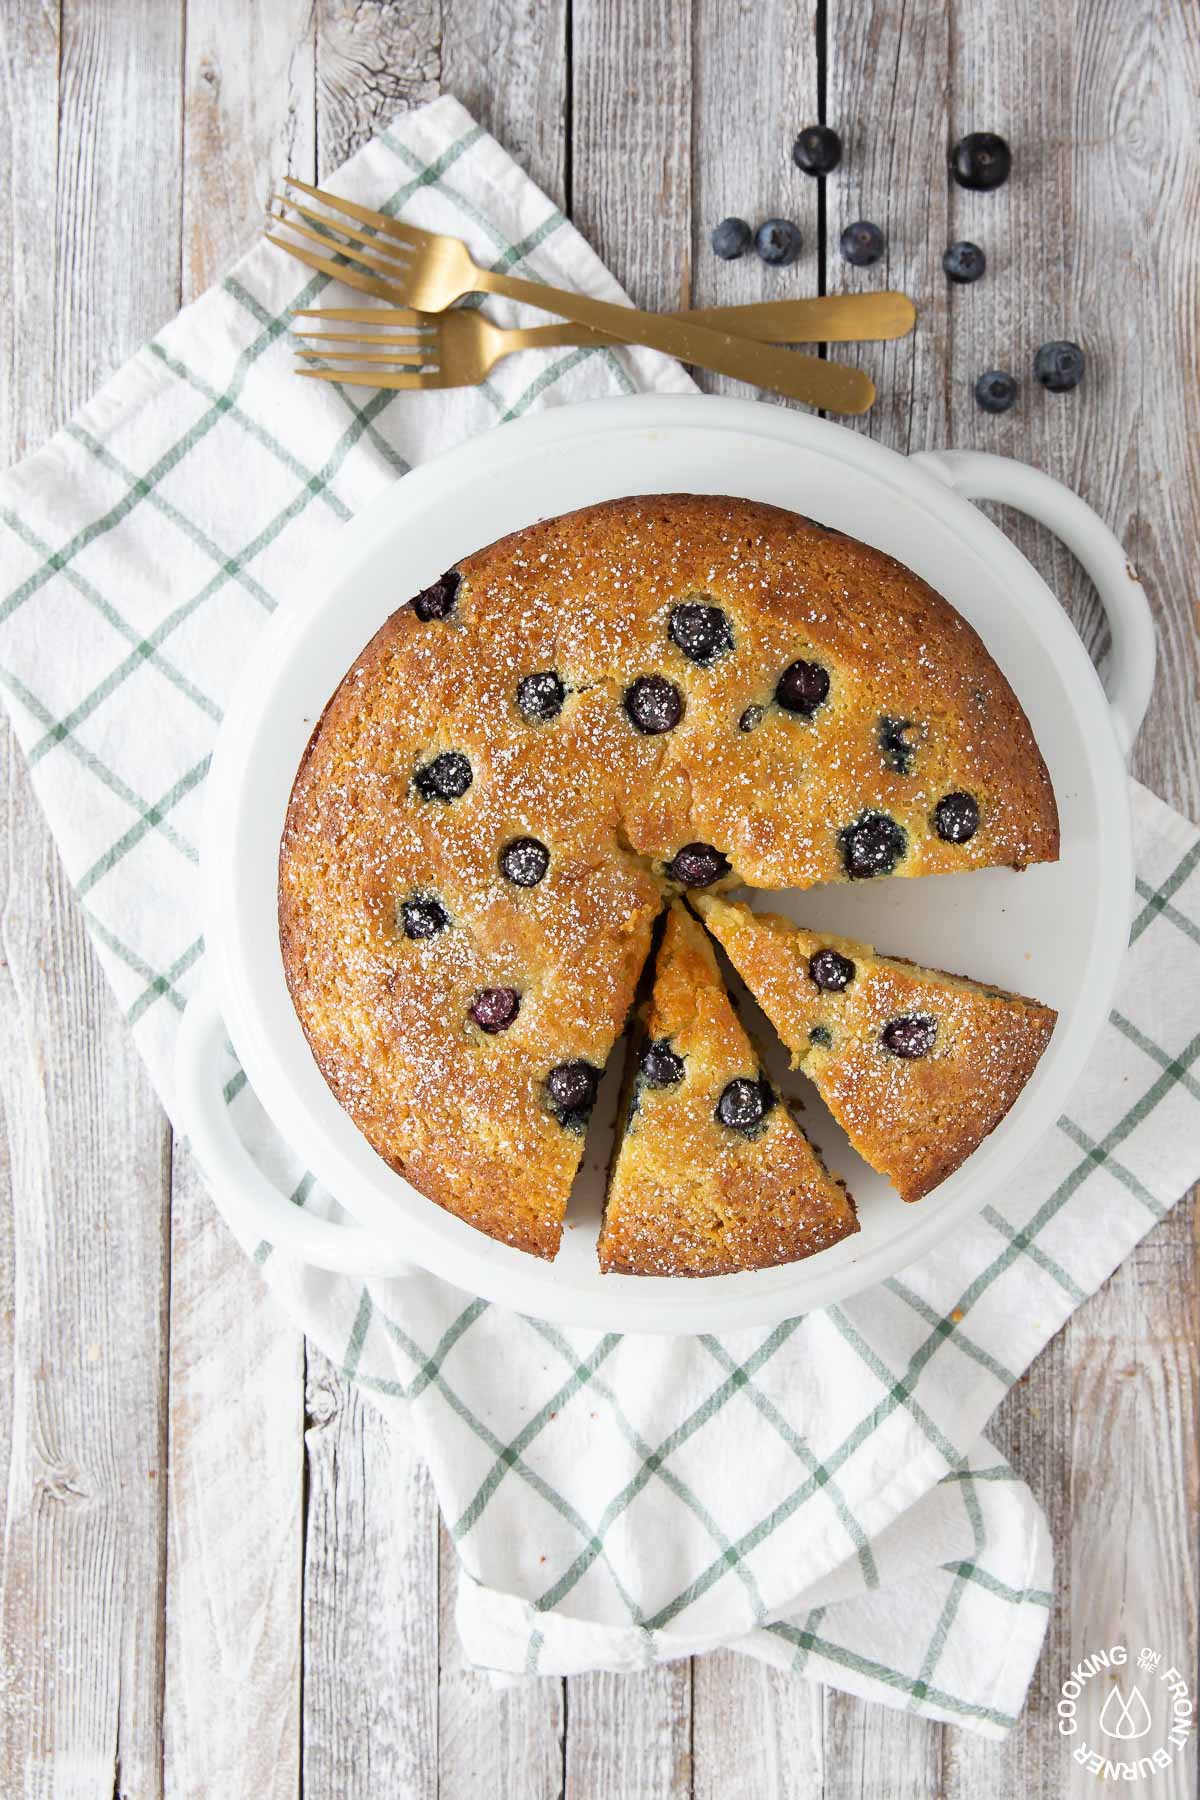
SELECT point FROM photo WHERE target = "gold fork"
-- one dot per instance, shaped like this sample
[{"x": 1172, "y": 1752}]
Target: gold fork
[
  {"x": 427, "y": 271},
  {"x": 462, "y": 347}
]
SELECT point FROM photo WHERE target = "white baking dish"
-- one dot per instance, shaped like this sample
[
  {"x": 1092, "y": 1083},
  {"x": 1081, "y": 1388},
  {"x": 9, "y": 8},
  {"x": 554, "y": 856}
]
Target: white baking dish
[{"x": 1057, "y": 932}]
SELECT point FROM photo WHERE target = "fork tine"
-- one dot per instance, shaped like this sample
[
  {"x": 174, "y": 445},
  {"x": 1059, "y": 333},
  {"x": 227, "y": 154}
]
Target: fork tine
[
  {"x": 403, "y": 383},
  {"x": 366, "y": 315},
  {"x": 366, "y": 284},
  {"x": 397, "y": 254},
  {"x": 408, "y": 344},
  {"x": 366, "y": 356},
  {"x": 407, "y": 233},
  {"x": 370, "y": 238}
]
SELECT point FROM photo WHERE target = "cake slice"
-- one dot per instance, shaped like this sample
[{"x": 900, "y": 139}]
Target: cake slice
[
  {"x": 711, "y": 1174},
  {"x": 917, "y": 1066}
]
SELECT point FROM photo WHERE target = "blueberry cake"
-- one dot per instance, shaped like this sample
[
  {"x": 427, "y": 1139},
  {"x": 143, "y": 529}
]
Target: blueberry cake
[
  {"x": 651, "y": 696},
  {"x": 917, "y": 1066},
  {"x": 710, "y": 1173}
]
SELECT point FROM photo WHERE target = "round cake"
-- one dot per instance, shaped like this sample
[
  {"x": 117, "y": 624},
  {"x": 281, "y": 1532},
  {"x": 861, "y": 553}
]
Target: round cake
[{"x": 653, "y": 695}]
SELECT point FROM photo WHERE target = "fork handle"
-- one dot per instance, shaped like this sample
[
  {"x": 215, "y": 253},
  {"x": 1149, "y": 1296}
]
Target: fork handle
[
  {"x": 822, "y": 319},
  {"x": 827, "y": 384}
]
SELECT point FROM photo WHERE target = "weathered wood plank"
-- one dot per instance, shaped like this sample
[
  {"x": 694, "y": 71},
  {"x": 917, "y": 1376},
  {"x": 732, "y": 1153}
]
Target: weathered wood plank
[
  {"x": 493, "y": 1740},
  {"x": 374, "y": 60},
  {"x": 80, "y": 1617},
  {"x": 630, "y": 1734},
  {"x": 756, "y": 1730},
  {"x": 506, "y": 61},
  {"x": 370, "y": 1602},
  {"x": 231, "y": 1699}
]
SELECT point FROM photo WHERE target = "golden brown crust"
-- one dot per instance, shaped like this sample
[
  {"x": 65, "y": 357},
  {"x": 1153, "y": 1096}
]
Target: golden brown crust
[
  {"x": 687, "y": 1194},
  {"x": 915, "y": 1120},
  {"x": 464, "y": 1115}
]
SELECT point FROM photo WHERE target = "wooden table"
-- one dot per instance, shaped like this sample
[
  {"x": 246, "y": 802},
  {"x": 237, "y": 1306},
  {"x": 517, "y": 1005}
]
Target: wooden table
[{"x": 150, "y": 1397}]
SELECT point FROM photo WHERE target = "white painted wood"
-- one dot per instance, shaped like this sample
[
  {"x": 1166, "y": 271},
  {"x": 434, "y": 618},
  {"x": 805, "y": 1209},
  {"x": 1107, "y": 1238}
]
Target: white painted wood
[
  {"x": 630, "y": 1734},
  {"x": 755, "y": 1730},
  {"x": 370, "y": 1603},
  {"x": 81, "y": 1607},
  {"x": 231, "y": 1695}
]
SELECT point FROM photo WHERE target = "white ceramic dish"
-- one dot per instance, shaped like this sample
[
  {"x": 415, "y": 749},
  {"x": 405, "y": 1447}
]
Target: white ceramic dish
[{"x": 1057, "y": 931}]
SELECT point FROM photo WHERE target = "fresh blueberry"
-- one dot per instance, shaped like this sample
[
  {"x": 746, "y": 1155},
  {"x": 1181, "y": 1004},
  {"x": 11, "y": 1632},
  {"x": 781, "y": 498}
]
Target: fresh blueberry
[
  {"x": 702, "y": 632},
  {"x": 818, "y": 150},
  {"x": 898, "y": 753},
  {"x": 778, "y": 241},
  {"x": 423, "y": 916},
  {"x": 660, "y": 1065},
  {"x": 540, "y": 697},
  {"x": 873, "y": 845},
  {"x": 696, "y": 865},
  {"x": 524, "y": 861},
  {"x": 802, "y": 687},
  {"x": 572, "y": 1088},
  {"x": 654, "y": 704},
  {"x": 447, "y": 777},
  {"x": 821, "y": 1036},
  {"x": 996, "y": 391},
  {"x": 744, "y": 1104},
  {"x": 964, "y": 262},
  {"x": 1059, "y": 366},
  {"x": 437, "y": 600},
  {"x": 980, "y": 160},
  {"x": 752, "y": 716},
  {"x": 909, "y": 1036},
  {"x": 862, "y": 243},
  {"x": 494, "y": 1009},
  {"x": 956, "y": 817},
  {"x": 732, "y": 238},
  {"x": 830, "y": 970}
]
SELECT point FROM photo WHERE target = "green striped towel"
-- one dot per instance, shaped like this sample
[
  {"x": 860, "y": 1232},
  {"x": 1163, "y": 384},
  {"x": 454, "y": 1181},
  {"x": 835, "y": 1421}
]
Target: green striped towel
[{"x": 595, "y": 1486}]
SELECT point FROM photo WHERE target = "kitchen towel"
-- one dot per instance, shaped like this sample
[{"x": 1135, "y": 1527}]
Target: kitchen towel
[{"x": 596, "y": 1486}]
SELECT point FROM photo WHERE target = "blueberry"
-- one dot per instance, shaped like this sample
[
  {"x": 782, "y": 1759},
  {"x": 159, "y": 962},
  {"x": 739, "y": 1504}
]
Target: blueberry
[
  {"x": 702, "y": 632},
  {"x": 661, "y": 1066},
  {"x": 898, "y": 753},
  {"x": 873, "y": 845},
  {"x": 572, "y": 1088},
  {"x": 494, "y": 1009},
  {"x": 437, "y": 600},
  {"x": 980, "y": 160},
  {"x": 830, "y": 970},
  {"x": 423, "y": 916},
  {"x": 862, "y": 243},
  {"x": 540, "y": 697},
  {"x": 818, "y": 150},
  {"x": 956, "y": 817},
  {"x": 909, "y": 1036},
  {"x": 732, "y": 238},
  {"x": 744, "y": 1104},
  {"x": 964, "y": 262},
  {"x": 821, "y": 1036},
  {"x": 996, "y": 391},
  {"x": 696, "y": 865},
  {"x": 447, "y": 777},
  {"x": 524, "y": 861},
  {"x": 752, "y": 716},
  {"x": 802, "y": 687},
  {"x": 778, "y": 241},
  {"x": 654, "y": 704},
  {"x": 1059, "y": 366}
]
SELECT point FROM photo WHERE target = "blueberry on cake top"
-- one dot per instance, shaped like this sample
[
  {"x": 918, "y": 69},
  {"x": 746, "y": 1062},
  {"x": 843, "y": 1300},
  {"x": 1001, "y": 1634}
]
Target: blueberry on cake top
[
  {"x": 652, "y": 695},
  {"x": 711, "y": 1174},
  {"x": 917, "y": 1066}
]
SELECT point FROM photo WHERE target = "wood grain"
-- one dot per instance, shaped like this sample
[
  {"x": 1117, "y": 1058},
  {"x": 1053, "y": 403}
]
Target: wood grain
[
  {"x": 81, "y": 1609},
  {"x": 231, "y": 1700},
  {"x": 756, "y": 1730}
]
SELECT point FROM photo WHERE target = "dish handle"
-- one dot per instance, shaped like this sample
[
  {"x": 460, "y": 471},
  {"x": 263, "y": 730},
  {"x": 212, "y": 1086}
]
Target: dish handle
[
  {"x": 1129, "y": 672},
  {"x": 243, "y": 1194}
]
